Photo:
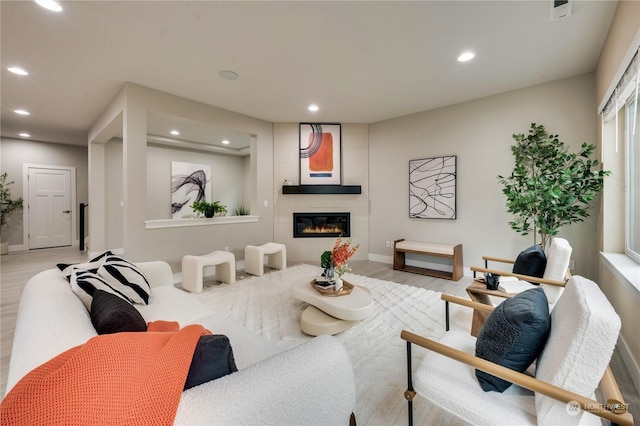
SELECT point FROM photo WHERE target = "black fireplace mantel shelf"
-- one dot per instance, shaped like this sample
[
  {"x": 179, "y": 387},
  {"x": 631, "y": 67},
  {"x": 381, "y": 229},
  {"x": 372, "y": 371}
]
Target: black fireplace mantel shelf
[{"x": 321, "y": 189}]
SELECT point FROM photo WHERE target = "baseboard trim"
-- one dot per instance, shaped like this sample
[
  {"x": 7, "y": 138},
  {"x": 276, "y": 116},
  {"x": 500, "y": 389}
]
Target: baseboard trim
[
  {"x": 380, "y": 258},
  {"x": 632, "y": 366},
  {"x": 25, "y": 247},
  {"x": 389, "y": 260},
  {"x": 18, "y": 247}
]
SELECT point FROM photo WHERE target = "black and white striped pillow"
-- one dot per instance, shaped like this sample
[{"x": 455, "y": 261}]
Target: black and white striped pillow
[
  {"x": 92, "y": 265},
  {"x": 85, "y": 283},
  {"x": 121, "y": 274}
]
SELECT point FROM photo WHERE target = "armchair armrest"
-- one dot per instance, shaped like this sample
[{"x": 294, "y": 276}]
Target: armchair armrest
[
  {"x": 610, "y": 389},
  {"x": 465, "y": 302},
  {"x": 518, "y": 276},
  {"x": 497, "y": 259},
  {"x": 525, "y": 381}
]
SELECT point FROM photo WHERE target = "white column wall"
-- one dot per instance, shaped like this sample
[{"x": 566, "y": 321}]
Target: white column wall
[
  {"x": 171, "y": 244},
  {"x": 355, "y": 171}
]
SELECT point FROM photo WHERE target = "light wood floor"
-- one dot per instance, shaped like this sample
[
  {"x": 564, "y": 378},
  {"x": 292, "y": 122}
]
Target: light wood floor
[{"x": 17, "y": 267}]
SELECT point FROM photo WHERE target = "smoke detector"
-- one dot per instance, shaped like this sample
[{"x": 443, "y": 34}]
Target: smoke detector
[{"x": 560, "y": 9}]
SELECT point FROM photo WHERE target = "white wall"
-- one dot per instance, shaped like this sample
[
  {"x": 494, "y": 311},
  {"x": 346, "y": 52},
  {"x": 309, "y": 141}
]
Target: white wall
[
  {"x": 480, "y": 133},
  {"x": 113, "y": 197},
  {"x": 624, "y": 30},
  {"x": 227, "y": 178},
  {"x": 16, "y": 152}
]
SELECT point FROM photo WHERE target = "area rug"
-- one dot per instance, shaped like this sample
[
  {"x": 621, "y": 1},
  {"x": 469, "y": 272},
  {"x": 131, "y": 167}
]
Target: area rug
[{"x": 266, "y": 306}]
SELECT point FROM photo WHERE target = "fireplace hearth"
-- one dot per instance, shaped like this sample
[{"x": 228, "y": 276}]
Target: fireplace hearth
[{"x": 319, "y": 225}]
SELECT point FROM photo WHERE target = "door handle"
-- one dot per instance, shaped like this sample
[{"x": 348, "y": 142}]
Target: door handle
[{"x": 66, "y": 211}]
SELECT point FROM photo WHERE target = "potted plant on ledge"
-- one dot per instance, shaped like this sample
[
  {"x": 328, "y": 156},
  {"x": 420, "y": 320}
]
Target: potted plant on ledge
[
  {"x": 9, "y": 205},
  {"x": 209, "y": 209}
]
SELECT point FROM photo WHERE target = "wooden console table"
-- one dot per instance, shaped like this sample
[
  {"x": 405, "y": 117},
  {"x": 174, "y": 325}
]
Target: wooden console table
[{"x": 453, "y": 252}]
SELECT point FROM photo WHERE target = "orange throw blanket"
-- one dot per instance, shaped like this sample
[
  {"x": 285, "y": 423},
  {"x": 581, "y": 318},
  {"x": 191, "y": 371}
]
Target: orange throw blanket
[{"x": 118, "y": 379}]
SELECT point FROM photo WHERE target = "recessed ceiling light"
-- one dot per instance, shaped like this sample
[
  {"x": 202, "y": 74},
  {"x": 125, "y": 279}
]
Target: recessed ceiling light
[
  {"x": 228, "y": 75},
  {"x": 51, "y": 5},
  {"x": 25, "y": 135},
  {"x": 175, "y": 132},
  {"x": 18, "y": 70},
  {"x": 313, "y": 108},
  {"x": 466, "y": 56},
  {"x": 21, "y": 112},
  {"x": 226, "y": 142}
]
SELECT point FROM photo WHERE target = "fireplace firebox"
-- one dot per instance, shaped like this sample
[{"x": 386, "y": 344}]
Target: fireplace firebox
[{"x": 314, "y": 225}]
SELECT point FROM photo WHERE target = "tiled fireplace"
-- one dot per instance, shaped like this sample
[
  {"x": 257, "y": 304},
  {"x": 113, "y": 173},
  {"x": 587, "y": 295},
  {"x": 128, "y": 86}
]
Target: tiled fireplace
[
  {"x": 318, "y": 225},
  {"x": 355, "y": 171}
]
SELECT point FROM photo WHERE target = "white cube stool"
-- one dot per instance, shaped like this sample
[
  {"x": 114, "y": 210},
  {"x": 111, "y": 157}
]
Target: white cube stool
[
  {"x": 224, "y": 261},
  {"x": 254, "y": 257}
]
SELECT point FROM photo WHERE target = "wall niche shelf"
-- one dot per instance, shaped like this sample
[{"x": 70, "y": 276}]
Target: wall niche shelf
[
  {"x": 218, "y": 220},
  {"x": 321, "y": 189}
]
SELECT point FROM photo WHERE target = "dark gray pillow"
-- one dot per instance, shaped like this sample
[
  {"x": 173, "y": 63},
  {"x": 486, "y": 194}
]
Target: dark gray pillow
[
  {"x": 531, "y": 261},
  {"x": 212, "y": 359},
  {"x": 513, "y": 335},
  {"x": 111, "y": 314}
]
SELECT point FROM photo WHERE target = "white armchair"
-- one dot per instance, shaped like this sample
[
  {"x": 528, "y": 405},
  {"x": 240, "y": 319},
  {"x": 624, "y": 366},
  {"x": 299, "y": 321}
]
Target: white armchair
[
  {"x": 584, "y": 331},
  {"x": 556, "y": 272}
]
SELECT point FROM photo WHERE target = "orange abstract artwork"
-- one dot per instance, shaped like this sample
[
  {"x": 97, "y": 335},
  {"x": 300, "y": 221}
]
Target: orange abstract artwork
[
  {"x": 322, "y": 159},
  {"x": 320, "y": 154}
]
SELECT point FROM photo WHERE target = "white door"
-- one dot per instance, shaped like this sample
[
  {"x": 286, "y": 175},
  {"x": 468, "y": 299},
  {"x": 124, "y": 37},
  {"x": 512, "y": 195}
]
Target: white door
[{"x": 49, "y": 208}]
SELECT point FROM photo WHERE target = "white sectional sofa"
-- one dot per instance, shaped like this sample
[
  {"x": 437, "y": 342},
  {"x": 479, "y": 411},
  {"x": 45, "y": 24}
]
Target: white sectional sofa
[{"x": 310, "y": 384}]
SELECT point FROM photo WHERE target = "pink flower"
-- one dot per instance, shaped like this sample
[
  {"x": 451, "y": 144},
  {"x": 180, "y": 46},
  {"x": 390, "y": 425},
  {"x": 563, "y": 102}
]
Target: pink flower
[{"x": 341, "y": 253}]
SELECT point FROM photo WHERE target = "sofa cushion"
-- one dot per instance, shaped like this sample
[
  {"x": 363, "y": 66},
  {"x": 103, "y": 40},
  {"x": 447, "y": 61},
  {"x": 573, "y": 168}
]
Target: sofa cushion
[
  {"x": 531, "y": 261},
  {"x": 212, "y": 358},
  {"x": 513, "y": 335},
  {"x": 124, "y": 275},
  {"x": 92, "y": 265},
  {"x": 50, "y": 320},
  {"x": 111, "y": 314},
  {"x": 171, "y": 304},
  {"x": 584, "y": 334}
]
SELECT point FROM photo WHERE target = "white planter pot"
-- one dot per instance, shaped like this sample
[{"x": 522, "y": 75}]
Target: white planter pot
[{"x": 4, "y": 248}]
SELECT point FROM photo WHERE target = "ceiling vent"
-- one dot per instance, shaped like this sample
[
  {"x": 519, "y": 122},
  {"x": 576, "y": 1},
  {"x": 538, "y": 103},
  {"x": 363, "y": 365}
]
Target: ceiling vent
[{"x": 560, "y": 9}]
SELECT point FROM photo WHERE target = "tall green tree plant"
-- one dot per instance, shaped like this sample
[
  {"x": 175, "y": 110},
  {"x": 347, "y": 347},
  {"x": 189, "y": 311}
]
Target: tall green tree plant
[
  {"x": 7, "y": 204},
  {"x": 549, "y": 186}
]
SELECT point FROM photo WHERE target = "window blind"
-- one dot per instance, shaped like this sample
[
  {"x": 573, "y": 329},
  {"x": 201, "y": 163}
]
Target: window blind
[{"x": 627, "y": 86}]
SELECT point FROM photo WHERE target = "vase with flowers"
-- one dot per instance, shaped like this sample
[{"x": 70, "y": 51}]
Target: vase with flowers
[{"x": 335, "y": 261}]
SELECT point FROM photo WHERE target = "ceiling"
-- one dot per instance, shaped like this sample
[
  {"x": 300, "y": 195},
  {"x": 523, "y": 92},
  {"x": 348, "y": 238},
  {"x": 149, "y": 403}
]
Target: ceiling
[
  {"x": 360, "y": 62},
  {"x": 194, "y": 135}
]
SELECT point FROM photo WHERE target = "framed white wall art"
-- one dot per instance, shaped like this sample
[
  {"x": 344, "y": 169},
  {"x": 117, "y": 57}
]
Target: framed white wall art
[
  {"x": 432, "y": 188},
  {"x": 189, "y": 182}
]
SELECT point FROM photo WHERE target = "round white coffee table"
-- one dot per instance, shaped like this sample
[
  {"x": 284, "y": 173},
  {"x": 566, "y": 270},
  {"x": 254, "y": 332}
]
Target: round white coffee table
[{"x": 331, "y": 314}]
